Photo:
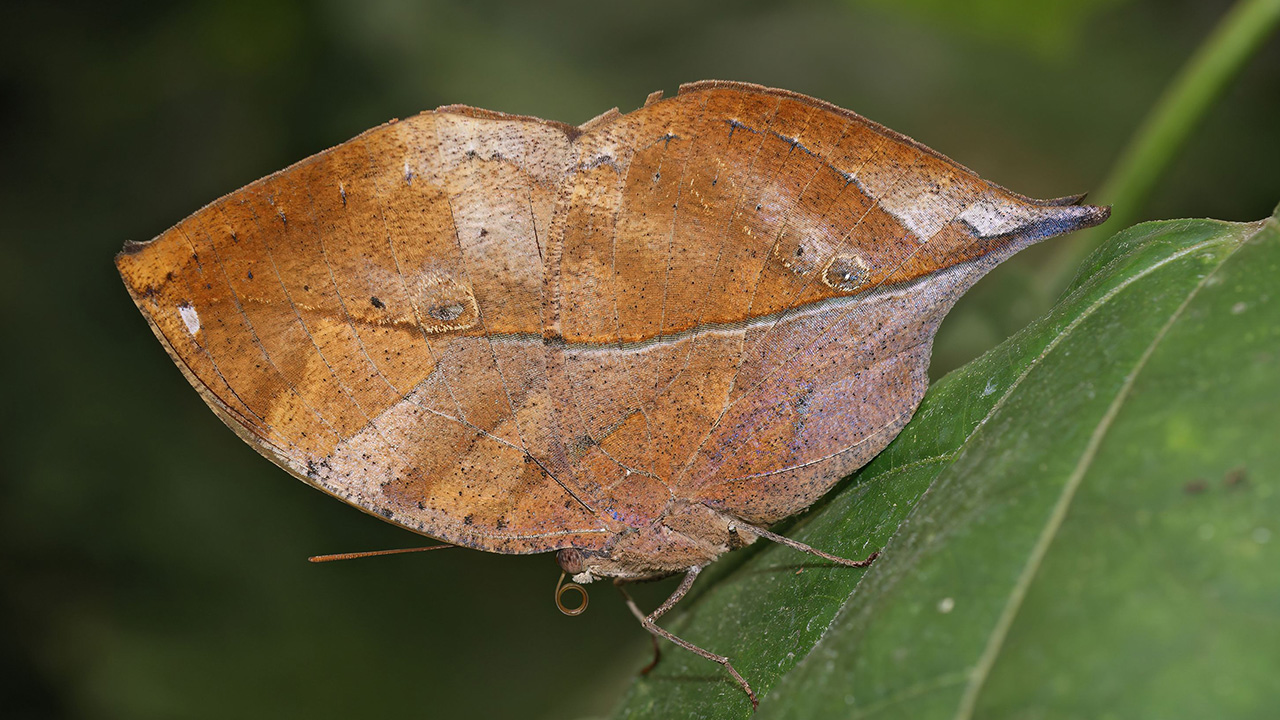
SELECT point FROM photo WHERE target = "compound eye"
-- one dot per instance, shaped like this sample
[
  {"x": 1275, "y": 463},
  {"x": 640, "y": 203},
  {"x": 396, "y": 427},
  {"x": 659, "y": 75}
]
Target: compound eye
[{"x": 572, "y": 560}]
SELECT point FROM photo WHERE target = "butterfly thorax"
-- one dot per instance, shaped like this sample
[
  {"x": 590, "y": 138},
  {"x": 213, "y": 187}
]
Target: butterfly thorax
[{"x": 688, "y": 535}]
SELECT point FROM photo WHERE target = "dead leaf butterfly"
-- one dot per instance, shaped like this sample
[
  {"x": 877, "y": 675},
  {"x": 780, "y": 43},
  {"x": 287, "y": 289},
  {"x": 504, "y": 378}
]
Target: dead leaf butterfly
[{"x": 637, "y": 342}]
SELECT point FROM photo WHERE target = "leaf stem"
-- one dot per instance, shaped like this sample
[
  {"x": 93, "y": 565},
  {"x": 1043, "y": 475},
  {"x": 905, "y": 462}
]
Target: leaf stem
[{"x": 1164, "y": 132}]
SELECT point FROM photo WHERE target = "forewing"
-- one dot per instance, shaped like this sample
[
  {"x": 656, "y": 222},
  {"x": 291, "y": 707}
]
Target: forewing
[{"x": 371, "y": 320}]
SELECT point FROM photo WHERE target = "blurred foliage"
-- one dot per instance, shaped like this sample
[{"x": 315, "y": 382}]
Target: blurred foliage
[
  {"x": 1189, "y": 96},
  {"x": 153, "y": 563},
  {"x": 1048, "y": 28}
]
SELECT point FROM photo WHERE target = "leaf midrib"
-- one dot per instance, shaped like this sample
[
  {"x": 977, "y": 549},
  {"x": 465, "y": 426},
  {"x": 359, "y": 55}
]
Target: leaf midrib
[
  {"x": 999, "y": 633},
  {"x": 979, "y": 674},
  {"x": 1013, "y": 386}
]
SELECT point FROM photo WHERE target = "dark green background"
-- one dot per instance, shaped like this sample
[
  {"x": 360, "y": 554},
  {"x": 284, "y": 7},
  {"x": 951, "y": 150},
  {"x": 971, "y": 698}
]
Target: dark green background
[{"x": 153, "y": 565}]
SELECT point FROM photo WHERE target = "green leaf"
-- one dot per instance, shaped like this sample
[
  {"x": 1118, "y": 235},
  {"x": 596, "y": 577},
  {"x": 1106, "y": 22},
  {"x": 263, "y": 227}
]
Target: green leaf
[{"x": 1084, "y": 522}]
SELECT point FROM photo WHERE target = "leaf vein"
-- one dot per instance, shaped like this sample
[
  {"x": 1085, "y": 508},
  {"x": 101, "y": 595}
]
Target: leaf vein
[{"x": 986, "y": 661}]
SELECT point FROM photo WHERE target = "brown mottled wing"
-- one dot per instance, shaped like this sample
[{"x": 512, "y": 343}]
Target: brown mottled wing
[
  {"x": 371, "y": 320},
  {"x": 519, "y": 336},
  {"x": 748, "y": 288}
]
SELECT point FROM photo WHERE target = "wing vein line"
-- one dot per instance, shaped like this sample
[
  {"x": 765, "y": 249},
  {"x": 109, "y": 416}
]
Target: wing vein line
[{"x": 253, "y": 333}]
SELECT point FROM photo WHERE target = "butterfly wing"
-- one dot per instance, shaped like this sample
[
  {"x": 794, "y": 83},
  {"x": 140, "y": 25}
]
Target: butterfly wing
[
  {"x": 517, "y": 336},
  {"x": 370, "y": 320},
  {"x": 751, "y": 309}
]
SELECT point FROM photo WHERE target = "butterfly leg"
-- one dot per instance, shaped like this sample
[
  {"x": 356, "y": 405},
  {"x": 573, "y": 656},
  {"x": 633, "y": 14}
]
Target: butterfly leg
[
  {"x": 620, "y": 583},
  {"x": 811, "y": 550},
  {"x": 649, "y": 623},
  {"x": 657, "y": 650},
  {"x": 657, "y": 655}
]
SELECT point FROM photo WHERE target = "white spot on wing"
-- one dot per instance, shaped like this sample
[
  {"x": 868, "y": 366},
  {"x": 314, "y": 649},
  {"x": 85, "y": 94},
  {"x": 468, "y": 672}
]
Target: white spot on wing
[
  {"x": 920, "y": 197},
  {"x": 988, "y": 218},
  {"x": 190, "y": 317}
]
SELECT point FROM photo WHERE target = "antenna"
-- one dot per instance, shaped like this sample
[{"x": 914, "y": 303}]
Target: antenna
[{"x": 373, "y": 553}]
